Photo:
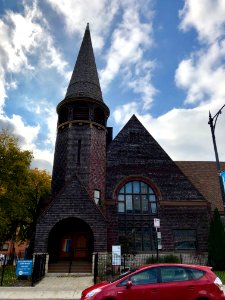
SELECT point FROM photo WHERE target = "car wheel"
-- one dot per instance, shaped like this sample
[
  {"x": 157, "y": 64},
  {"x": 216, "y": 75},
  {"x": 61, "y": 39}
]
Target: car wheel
[{"x": 202, "y": 299}]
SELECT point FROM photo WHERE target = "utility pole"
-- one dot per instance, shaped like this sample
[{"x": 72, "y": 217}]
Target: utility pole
[{"x": 212, "y": 123}]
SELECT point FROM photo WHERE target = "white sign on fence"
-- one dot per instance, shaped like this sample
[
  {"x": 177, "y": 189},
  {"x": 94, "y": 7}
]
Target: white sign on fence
[
  {"x": 156, "y": 223},
  {"x": 116, "y": 255}
]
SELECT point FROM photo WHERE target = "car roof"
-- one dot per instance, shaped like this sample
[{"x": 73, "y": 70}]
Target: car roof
[{"x": 199, "y": 267}]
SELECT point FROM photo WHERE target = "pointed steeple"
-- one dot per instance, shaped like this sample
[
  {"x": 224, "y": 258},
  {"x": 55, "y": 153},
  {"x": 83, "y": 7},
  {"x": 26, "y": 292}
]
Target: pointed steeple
[{"x": 84, "y": 81}]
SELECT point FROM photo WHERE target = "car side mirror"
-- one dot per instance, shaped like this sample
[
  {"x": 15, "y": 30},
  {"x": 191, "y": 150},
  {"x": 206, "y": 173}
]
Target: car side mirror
[{"x": 129, "y": 284}]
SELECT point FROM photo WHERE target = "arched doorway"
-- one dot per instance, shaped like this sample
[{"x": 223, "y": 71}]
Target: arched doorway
[{"x": 70, "y": 243}]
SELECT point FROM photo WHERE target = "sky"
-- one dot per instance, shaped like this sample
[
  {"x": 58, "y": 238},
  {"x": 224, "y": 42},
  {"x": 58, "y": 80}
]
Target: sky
[{"x": 162, "y": 60}]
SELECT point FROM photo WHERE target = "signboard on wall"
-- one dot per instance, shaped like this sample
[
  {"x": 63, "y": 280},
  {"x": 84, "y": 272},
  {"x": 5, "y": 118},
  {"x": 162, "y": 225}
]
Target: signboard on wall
[
  {"x": 24, "y": 267},
  {"x": 116, "y": 255}
]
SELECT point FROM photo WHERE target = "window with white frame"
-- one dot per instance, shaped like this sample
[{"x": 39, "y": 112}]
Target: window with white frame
[{"x": 97, "y": 196}]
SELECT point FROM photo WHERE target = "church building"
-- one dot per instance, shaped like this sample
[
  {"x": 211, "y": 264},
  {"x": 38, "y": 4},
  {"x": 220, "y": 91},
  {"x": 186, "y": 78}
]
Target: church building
[{"x": 108, "y": 191}]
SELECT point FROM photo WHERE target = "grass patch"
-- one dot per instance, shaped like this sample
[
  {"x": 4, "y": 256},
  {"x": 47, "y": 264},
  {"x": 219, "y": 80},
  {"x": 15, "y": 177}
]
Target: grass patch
[
  {"x": 10, "y": 278},
  {"x": 221, "y": 275}
]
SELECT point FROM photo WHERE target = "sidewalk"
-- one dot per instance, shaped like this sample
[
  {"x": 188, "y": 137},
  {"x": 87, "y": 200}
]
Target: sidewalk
[
  {"x": 60, "y": 287},
  {"x": 50, "y": 288}
]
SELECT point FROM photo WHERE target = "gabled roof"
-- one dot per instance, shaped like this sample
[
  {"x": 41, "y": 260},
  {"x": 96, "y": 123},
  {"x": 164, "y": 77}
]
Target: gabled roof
[
  {"x": 73, "y": 189},
  {"x": 84, "y": 81},
  {"x": 134, "y": 152},
  {"x": 204, "y": 175},
  {"x": 137, "y": 142}
]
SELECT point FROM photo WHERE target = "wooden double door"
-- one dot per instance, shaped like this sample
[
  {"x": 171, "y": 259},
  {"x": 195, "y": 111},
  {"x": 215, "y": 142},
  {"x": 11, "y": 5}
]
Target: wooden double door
[
  {"x": 75, "y": 245},
  {"x": 70, "y": 238}
]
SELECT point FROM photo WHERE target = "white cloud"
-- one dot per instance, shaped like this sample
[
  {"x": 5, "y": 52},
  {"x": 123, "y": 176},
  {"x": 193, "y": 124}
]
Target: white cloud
[
  {"x": 141, "y": 82},
  {"x": 129, "y": 40},
  {"x": 203, "y": 75},
  {"x": 125, "y": 57},
  {"x": 43, "y": 159},
  {"x": 76, "y": 14},
  {"x": 46, "y": 115},
  {"x": 28, "y": 138},
  {"x": 123, "y": 113},
  {"x": 27, "y": 50},
  {"x": 52, "y": 59},
  {"x": 2, "y": 89},
  {"x": 22, "y": 36},
  {"x": 183, "y": 133},
  {"x": 207, "y": 17},
  {"x": 26, "y": 134}
]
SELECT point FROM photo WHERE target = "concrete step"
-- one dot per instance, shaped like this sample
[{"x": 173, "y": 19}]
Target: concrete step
[{"x": 65, "y": 267}]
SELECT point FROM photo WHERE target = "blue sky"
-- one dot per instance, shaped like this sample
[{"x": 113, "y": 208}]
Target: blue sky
[{"x": 162, "y": 60}]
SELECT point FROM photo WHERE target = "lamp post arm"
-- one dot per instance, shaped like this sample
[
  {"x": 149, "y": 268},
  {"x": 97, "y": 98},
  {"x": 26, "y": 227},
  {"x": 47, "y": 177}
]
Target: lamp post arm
[
  {"x": 212, "y": 127},
  {"x": 211, "y": 119}
]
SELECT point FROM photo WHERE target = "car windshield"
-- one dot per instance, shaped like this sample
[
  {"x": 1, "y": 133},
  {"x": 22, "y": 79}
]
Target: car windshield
[{"x": 123, "y": 275}]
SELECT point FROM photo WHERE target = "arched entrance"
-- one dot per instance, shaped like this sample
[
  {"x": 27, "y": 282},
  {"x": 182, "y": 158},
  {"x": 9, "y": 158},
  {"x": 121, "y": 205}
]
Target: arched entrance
[{"x": 70, "y": 244}]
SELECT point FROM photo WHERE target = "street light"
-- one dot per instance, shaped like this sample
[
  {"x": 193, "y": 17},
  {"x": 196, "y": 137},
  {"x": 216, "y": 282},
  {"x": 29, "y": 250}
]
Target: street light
[{"x": 212, "y": 123}]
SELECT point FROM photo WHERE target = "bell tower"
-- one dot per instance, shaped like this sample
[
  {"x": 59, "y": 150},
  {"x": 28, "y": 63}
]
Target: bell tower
[
  {"x": 80, "y": 149},
  {"x": 72, "y": 224}
]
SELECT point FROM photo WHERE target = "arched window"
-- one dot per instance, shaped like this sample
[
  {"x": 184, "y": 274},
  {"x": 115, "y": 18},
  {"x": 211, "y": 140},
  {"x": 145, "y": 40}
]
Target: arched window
[{"x": 136, "y": 197}]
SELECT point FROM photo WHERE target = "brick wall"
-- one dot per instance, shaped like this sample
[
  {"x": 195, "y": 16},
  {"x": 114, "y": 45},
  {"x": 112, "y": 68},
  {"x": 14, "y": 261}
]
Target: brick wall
[
  {"x": 72, "y": 202},
  {"x": 186, "y": 217},
  {"x": 134, "y": 153},
  {"x": 97, "y": 163}
]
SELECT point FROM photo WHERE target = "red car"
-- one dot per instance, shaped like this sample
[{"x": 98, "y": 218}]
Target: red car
[{"x": 160, "y": 282}]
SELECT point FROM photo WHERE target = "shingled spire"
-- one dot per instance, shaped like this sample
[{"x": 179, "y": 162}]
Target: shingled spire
[{"x": 84, "y": 81}]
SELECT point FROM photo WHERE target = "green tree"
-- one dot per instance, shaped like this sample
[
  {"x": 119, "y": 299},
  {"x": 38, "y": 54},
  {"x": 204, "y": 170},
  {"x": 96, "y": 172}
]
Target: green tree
[
  {"x": 216, "y": 244},
  {"x": 20, "y": 190},
  {"x": 14, "y": 171},
  {"x": 37, "y": 189}
]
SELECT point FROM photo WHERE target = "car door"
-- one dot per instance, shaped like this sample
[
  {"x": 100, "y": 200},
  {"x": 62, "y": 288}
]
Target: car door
[
  {"x": 175, "y": 283},
  {"x": 142, "y": 285}
]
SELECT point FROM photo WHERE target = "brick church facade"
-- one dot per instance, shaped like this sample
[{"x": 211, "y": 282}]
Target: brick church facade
[{"x": 109, "y": 191}]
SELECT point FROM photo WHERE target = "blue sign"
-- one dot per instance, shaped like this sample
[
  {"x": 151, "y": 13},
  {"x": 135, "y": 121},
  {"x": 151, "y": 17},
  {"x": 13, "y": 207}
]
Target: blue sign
[
  {"x": 24, "y": 267},
  {"x": 222, "y": 174}
]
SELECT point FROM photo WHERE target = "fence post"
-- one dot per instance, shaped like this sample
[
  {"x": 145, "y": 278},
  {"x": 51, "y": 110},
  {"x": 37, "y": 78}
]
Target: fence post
[
  {"x": 38, "y": 268},
  {"x": 124, "y": 262},
  {"x": 181, "y": 261},
  {"x": 95, "y": 267},
  {"x": 3, "y": 268}
]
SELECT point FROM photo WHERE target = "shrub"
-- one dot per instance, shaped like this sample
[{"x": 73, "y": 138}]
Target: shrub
[
  {"x": 163, "y": 259},
  {"x": 216, "y": 242}
]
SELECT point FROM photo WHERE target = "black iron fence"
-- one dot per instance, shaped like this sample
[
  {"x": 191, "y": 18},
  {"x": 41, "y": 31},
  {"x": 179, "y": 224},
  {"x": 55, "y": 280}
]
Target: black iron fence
[
  {"x": 104, "y": 270},
  {"x": 38, "y": 268},
  {"x": 38, "y": 272}
]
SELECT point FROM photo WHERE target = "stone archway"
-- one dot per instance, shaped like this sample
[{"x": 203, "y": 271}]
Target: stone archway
[{"x": 70, "y": 243}]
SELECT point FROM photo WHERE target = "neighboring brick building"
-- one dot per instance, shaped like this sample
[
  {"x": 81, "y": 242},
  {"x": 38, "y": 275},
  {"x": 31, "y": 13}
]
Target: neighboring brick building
[{"x": 106, "y": 192}]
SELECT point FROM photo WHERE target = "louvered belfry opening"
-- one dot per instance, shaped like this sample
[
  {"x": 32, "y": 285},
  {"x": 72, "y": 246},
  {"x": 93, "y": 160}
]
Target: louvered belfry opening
[{"x": 80, "y": 111}]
